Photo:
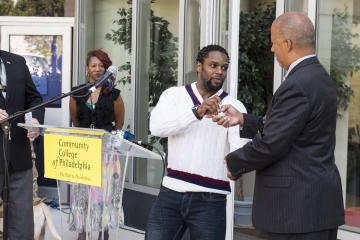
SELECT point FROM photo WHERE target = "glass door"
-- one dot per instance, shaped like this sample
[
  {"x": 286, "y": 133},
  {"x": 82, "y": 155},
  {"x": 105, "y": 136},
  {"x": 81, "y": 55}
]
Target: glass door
[
  {"x": 156, "y": 70},
  {"x": 338, "y": 32},
  {"x": 254, "y": 90}
]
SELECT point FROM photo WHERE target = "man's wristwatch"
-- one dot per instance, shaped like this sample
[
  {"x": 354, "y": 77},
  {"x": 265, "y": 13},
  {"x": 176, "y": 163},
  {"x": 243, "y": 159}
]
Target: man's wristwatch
[{"x": 195, "y": 112}]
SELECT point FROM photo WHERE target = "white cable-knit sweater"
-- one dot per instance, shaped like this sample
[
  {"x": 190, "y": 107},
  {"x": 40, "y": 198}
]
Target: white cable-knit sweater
[{"x": 196, "y": 148}]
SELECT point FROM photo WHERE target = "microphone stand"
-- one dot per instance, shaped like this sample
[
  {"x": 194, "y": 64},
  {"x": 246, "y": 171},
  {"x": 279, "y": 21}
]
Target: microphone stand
[{"x": 6, "y": 126}]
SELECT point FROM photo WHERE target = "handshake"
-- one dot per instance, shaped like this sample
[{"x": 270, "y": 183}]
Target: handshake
[{"x": 225, "y": 115}]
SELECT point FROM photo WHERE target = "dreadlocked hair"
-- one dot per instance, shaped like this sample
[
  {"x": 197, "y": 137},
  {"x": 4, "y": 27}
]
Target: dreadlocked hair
[{"x": 204, "y": 52}]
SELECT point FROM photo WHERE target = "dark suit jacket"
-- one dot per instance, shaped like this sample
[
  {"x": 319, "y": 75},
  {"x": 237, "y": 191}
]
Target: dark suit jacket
[
  {"x": 21, "y": 94},
  {"x": 297, "y": 186}
]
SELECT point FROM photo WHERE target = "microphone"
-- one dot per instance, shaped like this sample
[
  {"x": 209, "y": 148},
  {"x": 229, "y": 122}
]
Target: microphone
[
  {"x": 131, "y": 138},
  {"x": 110, "y": 82},
  {"x": 111, "y": 71},
  {"x": 141, "y": 143}
]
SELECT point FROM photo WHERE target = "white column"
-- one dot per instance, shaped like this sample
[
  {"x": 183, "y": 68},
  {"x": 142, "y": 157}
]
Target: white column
[
  {"x": 278, "y": 71},
  {"x": 233, "y": 49},
  {"x": 181, "y": 75},
  {"x": 134, "y": 64},
  {"x": 312, "y": 11}
]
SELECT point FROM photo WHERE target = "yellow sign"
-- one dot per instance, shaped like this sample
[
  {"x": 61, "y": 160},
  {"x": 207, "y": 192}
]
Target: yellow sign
[{"x": 73, "y": 155}]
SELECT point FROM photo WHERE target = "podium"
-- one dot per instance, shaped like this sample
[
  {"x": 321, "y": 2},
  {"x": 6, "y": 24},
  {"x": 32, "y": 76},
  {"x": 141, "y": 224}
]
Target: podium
[
  {"x": 93, "y": 163},
  {"x": 122, "y": 146}
]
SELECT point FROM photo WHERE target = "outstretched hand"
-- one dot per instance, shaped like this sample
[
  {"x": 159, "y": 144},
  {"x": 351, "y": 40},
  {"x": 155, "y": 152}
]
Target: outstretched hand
[{"x": 229, "y": 117}]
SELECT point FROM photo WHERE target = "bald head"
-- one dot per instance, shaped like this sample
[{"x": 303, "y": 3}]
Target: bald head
[{"x": 298, "y": 28}]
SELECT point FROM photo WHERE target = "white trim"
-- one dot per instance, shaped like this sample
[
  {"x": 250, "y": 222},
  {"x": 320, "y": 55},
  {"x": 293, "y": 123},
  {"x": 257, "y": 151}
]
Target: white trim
[
  {"x": 230, "y": 202},
  {"x": 233, "y": 49},
  {"x": 25, "y": 21},
  {"x": 205, "y": 23},
  {"x": 278, "y": 71},
  {"x": 216, "y": 21},
  {"x": 134, "y": 52},
  {"x": 208, "y": 22},
  {"x": 51, "y": 114},
  {"x": 78, "y": 43},
  {"x": 181, "y": 52},
  {"x": 280, "y": 7},
  {"x": 234, "y": 26},
  {"x": 312, "y": 11},
  {"x": 134, "y": 46}
]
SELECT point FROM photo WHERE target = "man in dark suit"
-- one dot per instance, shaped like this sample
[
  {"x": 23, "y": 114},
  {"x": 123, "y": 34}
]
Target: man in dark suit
[
  {"x": 19, "y": 94},
  {"x": 297, "y": 190}
]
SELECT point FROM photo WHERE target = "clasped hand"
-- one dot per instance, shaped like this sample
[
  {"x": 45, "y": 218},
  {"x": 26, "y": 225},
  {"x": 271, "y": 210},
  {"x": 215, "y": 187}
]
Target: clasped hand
[
  {"x": 225, "y": 115},
  {"x": 228, "y": 117},
  {"x": 209, "y": 107}
]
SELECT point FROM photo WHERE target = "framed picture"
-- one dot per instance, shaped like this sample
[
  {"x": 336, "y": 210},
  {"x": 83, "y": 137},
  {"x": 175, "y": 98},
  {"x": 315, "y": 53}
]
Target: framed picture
[
  {"x": 47, "y": 51},
  {"x": 43, "y": 55}
]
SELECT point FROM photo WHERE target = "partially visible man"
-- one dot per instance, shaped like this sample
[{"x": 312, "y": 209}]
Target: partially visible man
[
  {"x": 193, "y": 194},
  {"x": 19, "y": 94},
  {"x": 297, "y": 190}
]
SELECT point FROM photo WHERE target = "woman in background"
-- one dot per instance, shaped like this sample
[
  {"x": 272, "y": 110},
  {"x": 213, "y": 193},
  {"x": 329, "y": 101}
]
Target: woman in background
[{"x": 102, "y": 109}]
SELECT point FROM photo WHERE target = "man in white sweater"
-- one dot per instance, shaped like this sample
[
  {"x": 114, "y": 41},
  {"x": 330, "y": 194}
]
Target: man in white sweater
[{"x": 193, "y": 194}]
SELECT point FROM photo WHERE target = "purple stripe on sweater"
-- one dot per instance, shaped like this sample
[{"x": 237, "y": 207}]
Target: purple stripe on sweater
[
  {"x": 223, "y": 95},
  {"x": 192, "y": 95},
  {"x": 199, "y": 180},
  {"x": 195, "y": 99}
]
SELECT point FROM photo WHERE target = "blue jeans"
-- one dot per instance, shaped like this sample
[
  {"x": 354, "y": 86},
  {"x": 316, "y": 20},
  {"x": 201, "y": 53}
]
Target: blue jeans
[{"x": 173, "y": 212}]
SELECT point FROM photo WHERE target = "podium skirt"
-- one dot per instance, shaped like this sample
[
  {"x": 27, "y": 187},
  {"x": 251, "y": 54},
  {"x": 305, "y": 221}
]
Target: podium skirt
[{"x": 95, "y": 208}]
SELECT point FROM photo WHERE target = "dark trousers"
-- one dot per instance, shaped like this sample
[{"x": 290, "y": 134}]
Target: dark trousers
[
  {"x": 21, "y": 217},
  {"x": 173, "y": 212},
  {"x": 330, "y": 234}
]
